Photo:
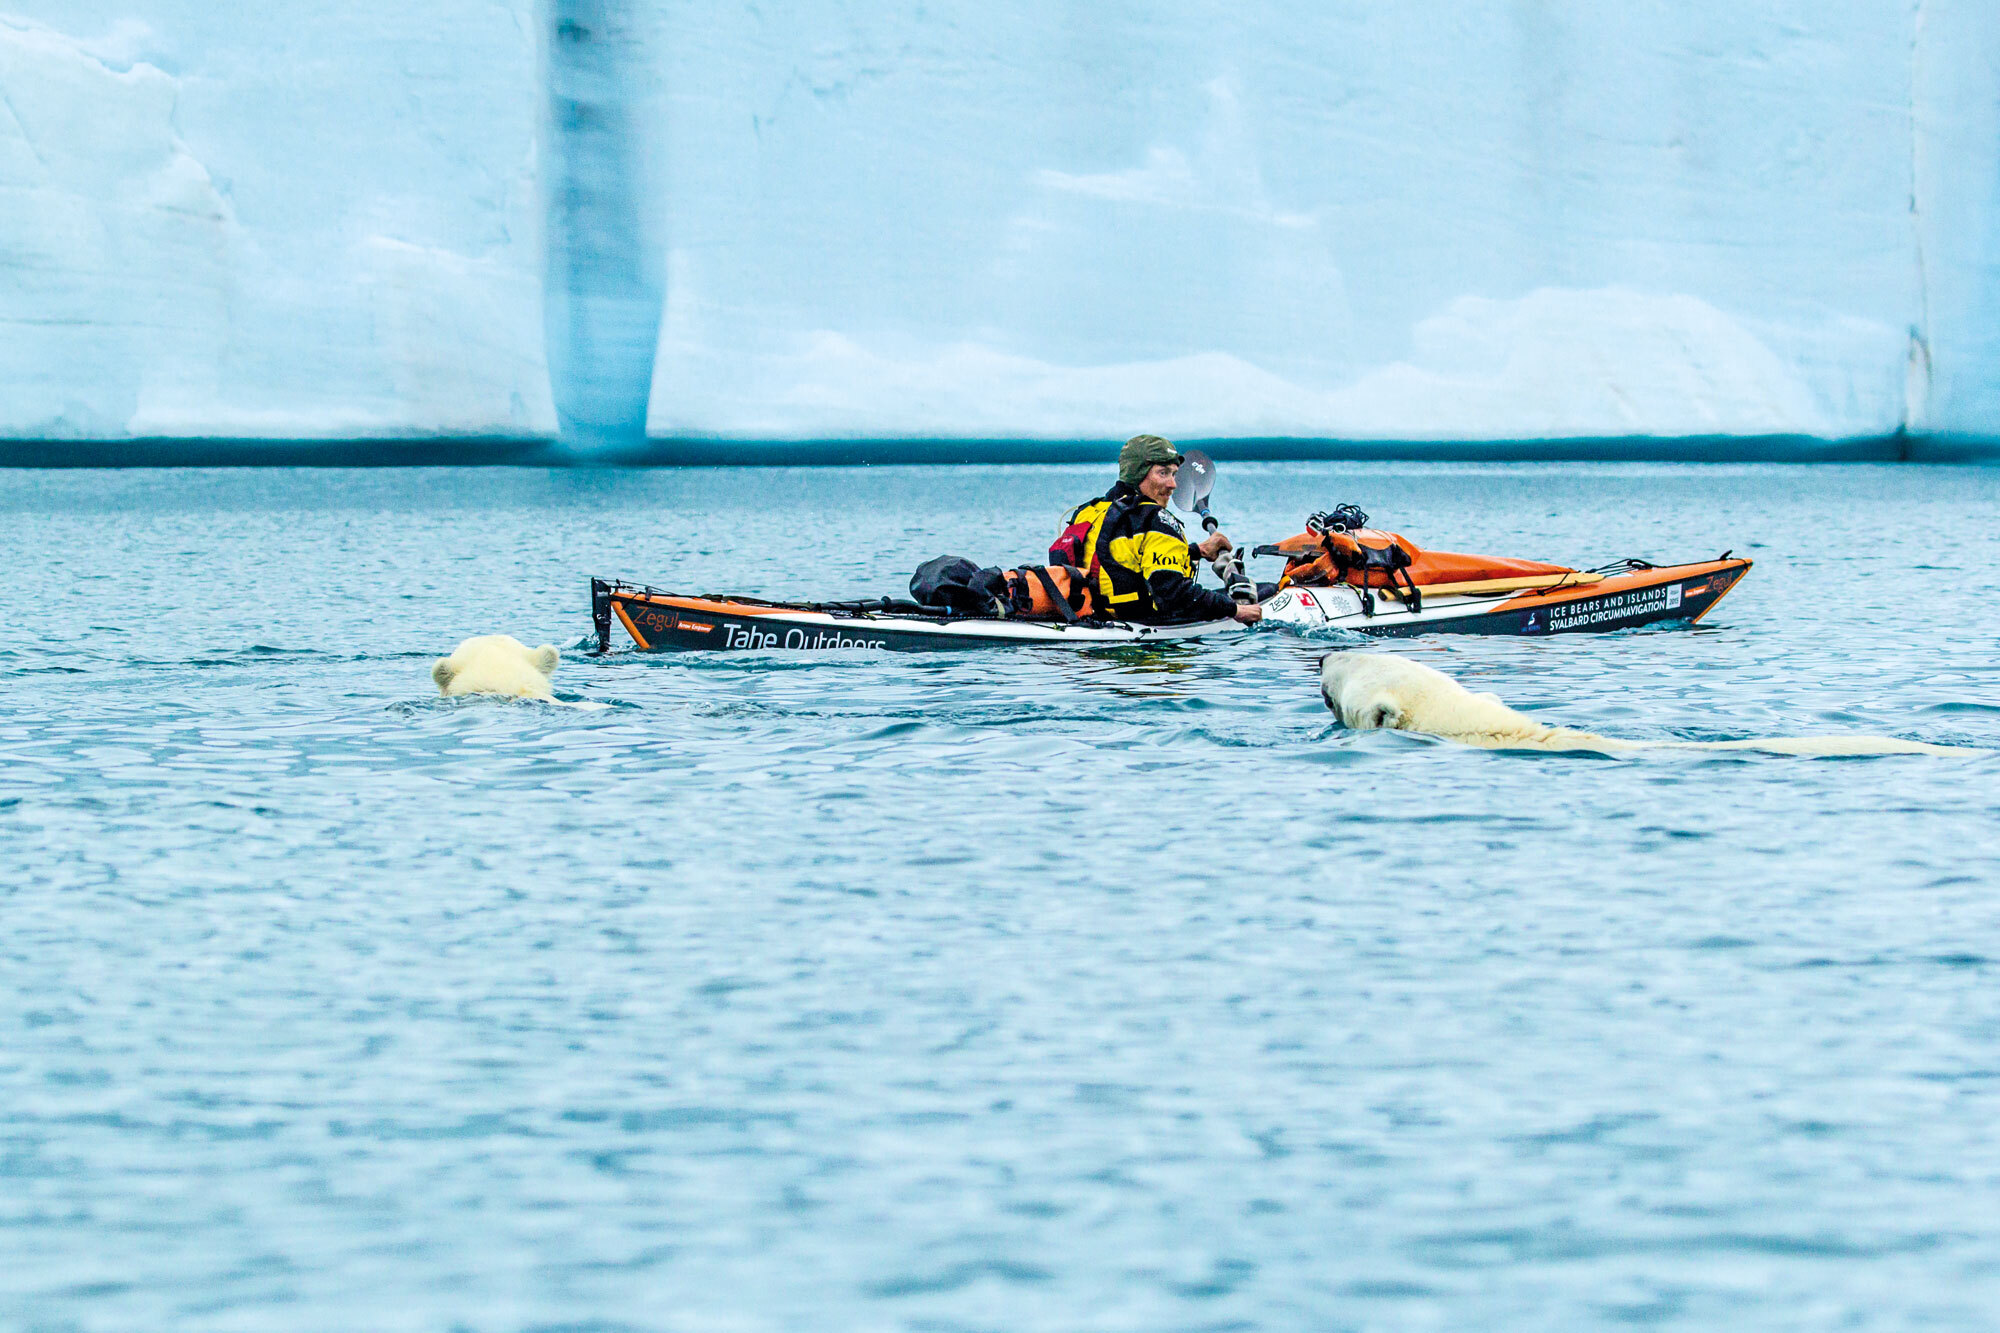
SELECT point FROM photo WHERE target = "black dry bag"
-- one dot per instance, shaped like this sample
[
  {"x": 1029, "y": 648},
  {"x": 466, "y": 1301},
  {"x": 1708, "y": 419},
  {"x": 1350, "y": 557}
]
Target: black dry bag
[{"x": 953, "y": 583}]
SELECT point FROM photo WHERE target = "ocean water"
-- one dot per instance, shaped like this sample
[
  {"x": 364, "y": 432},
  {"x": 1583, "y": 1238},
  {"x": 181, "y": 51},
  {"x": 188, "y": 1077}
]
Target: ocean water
[{"x": 1001, "y": 990}]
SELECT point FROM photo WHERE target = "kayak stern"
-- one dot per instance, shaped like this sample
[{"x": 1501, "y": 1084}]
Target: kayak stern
[{"x": 660, "y": 621}]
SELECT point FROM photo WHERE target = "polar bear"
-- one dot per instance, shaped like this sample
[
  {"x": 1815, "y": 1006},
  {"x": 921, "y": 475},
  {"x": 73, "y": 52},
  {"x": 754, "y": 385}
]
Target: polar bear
[
  {"x": 497, "y": 664},
  {"x": 1370, "y": 690}
]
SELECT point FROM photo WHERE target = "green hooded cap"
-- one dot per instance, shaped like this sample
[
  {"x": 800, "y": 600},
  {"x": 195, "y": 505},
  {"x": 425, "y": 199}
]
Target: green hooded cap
[{"x": 1139, "y": 455}]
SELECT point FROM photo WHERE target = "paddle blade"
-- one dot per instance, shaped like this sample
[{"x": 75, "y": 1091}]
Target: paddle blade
[{"x": 1197, "y": 479}]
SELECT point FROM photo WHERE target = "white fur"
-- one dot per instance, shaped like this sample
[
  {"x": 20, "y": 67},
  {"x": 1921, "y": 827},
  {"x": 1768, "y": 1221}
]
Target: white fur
[
  {"x": 1370, "y": 690},
  {"x": 497, "y": 664}
]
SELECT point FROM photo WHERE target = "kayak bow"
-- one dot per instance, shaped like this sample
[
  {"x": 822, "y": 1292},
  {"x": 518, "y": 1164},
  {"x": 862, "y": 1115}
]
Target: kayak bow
[{"x": 1619, "y": 596}]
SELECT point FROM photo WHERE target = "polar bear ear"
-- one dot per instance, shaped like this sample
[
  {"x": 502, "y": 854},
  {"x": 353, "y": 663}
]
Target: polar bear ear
[
  {"x": 1382, "y": 713},
  {"x": 545, "y": 658},
  {"x": 442, "y": 671}
]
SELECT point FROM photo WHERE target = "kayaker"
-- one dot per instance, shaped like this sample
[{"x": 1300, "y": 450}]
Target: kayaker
[{"x": 1141, "y": 555}]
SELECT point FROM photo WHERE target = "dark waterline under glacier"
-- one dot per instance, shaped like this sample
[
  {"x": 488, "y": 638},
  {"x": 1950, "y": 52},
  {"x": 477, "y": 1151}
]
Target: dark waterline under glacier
[
  {"x": 999, "y": 990},
  {"x": 609, "y": 443}
]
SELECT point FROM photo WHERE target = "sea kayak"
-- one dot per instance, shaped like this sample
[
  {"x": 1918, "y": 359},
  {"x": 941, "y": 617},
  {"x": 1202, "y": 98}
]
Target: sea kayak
[
  {"x": 1339, "y": 574},
  {"x": 1592, "y": 601},
  {"x": 663, "y": 621}
]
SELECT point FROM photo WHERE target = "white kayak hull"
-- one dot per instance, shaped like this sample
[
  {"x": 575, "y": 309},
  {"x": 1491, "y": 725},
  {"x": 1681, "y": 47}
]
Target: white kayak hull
[{"x": 661, "y": 622}]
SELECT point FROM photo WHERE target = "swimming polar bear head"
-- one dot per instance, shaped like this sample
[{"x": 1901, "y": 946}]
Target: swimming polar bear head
[
  {"x": 1372, "y": 690},
  {"x": 497, "y": 664}
]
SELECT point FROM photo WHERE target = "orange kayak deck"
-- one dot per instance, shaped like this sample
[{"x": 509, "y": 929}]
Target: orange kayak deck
[{"x": 1596, "y": 601}]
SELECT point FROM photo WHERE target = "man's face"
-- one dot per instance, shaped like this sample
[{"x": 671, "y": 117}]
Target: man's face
[{"x": 1159, "y": 482}]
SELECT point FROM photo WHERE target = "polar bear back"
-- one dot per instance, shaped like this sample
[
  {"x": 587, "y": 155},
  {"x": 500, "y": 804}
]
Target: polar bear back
[
  {"x": 1370, "y": 690},
  {"x": 497, "y": 664}
]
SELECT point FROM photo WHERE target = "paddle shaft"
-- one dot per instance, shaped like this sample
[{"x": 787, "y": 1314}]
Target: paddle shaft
[{"x": 1227, "y": 566}]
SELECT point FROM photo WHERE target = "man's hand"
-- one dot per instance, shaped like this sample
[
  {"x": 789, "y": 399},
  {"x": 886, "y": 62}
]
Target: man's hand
[
  {"x": 1216, "y": 544},
  {"x": 1250, "y": 614}
]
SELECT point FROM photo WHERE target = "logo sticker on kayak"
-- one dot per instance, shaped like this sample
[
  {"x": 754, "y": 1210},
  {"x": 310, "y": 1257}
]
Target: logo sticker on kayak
[
  {"x": 1618, "y": 606},
  {"x": 752, "y": 636}
]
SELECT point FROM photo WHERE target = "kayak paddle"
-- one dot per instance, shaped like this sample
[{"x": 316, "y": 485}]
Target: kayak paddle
[{"x": 1197, "y": 481}]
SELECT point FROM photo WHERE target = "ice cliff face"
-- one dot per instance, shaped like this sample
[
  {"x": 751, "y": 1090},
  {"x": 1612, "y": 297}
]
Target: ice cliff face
[
  {"x": 1954, "y": 370},
  {"x": 1482, "y": 220},
  {"x": 293, "y": 221},
  {"x": 607, "y": 217},
  {"x": 1492, "y": 220}
]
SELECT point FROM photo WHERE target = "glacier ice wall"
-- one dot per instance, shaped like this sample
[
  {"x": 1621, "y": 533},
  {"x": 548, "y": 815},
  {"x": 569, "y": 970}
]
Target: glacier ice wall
[
  {"x": 605, "y": 233},
  {"x": 1476, "y": 220},
  {"x": 1955, "y": 206},
  {"x": 286, "y": 221},
  {"x": 1483, "y": 219}
]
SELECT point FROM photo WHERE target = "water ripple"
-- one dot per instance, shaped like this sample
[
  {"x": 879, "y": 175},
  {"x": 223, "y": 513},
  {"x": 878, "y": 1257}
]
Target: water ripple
[{"x": 987, "y": 991}]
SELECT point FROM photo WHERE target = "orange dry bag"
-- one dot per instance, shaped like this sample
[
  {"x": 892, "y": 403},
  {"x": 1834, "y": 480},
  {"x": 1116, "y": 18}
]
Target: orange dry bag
[{"x": 1050, "y": 592}]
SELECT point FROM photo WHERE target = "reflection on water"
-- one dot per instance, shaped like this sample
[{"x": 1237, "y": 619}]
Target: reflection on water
[{"x": 1002, "y": 989}]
